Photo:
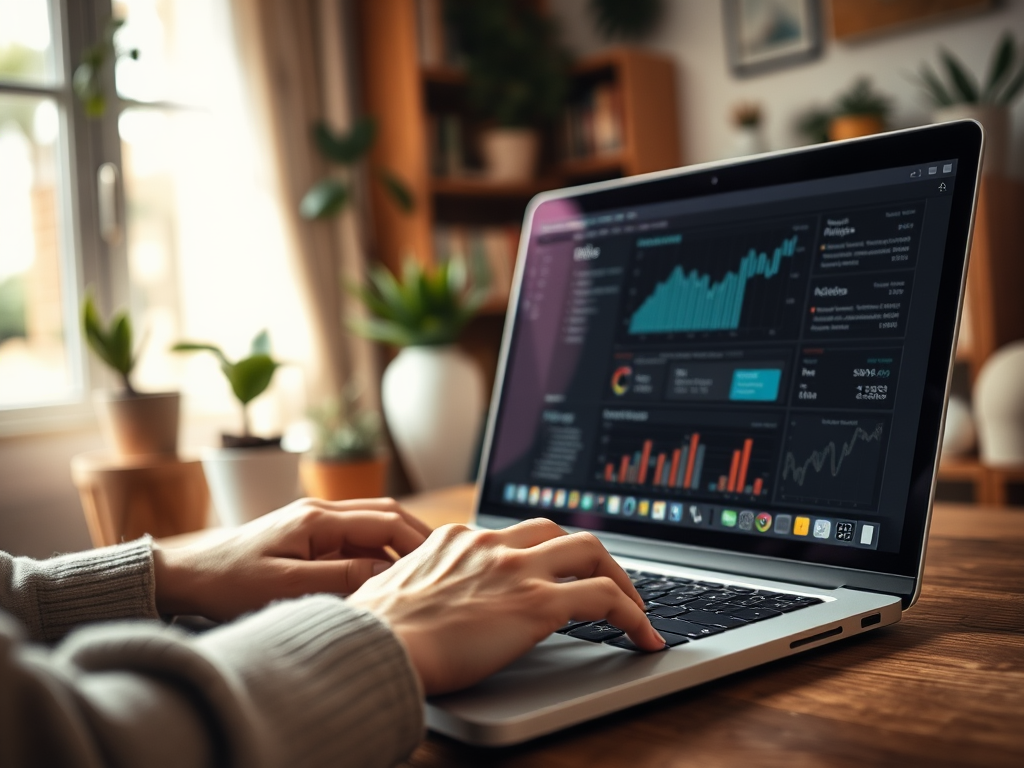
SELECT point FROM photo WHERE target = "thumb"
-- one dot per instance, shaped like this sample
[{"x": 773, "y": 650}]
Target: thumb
[{"x": 340, "y": 576}]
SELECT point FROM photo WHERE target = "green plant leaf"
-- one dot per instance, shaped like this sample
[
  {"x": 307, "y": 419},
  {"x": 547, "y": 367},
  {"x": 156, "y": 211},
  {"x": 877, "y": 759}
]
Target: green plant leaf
[
  {"x": 325, "y": 199},
  {"x": 1011, "y": 91},
  {"x": 120, "y": 337},
  {"x": 192, "y": 346},
  {"x": 348, "y": 148},
  {"x": 396, "y": 188},
  {"x": 999, "y": 68},
  {"x": 933, "y": 85},
  {"x": 113, "y": 346},
  {"x": 961, "y": 78},
  {"x": 384, "y": 331},
  {"x": 250, "y": 376},
  {"x": 260, "y": 343}
]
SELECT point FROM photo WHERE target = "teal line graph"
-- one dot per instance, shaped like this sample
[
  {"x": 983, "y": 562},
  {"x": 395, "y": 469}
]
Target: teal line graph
[{"x": 691, "y": 302}]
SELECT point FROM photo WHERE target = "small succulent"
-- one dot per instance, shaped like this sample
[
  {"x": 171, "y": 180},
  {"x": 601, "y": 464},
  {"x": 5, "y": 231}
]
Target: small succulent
[
  {"x": 344, "y": 430},
  {"x": 112, "y": 343},
  {"x": 428, "y": 306},
  {"x": 1001, "y": 86},
  {"x": 248, "y": 377}
]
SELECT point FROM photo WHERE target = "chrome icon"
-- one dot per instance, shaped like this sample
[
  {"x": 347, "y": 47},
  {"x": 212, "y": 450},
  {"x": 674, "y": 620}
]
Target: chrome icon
[{"x": 621, "y": 380}]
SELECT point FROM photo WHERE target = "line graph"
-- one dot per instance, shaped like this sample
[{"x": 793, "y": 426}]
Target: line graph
[{"x": 833, "y": 460}]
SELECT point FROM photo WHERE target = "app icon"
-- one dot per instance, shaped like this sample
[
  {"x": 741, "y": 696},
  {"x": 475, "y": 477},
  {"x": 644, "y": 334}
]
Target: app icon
[
  {"x": 658, "y": 510},
  {"x": 621, "y": 379},
  {"x": 783, "y": 523},
  {"x": 587, "y": 501},
  {"x": 696, "y": 514},
  {"x": 746, "y": 520},
  {"x": 560, "y": 497},
  {"x": 534, "y": 495},
  {"x": 801, "y": 526},
  {"x": 844, "y": 530},
  {"x": 546, "y": 495},
  {"x": 574, "y": 499},
  {"x": 629, "y": 506},
  {"x": 521, "y": 493},
  {"x": 728, "y": 518},
  {"x": 510, "y": 492},
  {"x": 599, "y": 502},
  {"x": 822, "y": 528},
  {"x": 867, "y": 534},
  {"x": 763, "y": 521},
  {"x": 614, "y": 505},
  {"x": 675, "y": 512},
  {"x": 643, "y": 507}
]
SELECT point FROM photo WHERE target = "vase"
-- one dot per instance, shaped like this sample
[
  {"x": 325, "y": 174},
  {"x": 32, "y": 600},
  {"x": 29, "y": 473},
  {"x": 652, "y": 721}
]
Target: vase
[
  {"x": 958, "y": 436},
  {"x": 510, "y": 154},
  {"x": 995, "y": 121},
  {"x": 999, "y": 407},
  {"x": 749, "y": 140},
  {"x": 139, "y": 425},
  {"x": 336, "y": 480},
  {"x": 853, "y": 126},
  {"x": 433, "y": 401},
  {"x": 246, "y": 483}
]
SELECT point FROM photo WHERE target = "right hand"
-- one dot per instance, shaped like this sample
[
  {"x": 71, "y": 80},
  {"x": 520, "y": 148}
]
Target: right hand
[{"x": 466, "y": 603}]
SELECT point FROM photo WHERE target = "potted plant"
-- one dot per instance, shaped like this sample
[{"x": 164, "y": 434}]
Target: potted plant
[
  {"x": 432, "y": 393},
  {"x": 134, "y": 424},
  {"x": 249, "y": 475},
  {"x": 347, "y": 460},
  {"x": 749, "y": 136},
  {"x": 964, "y": 97},
  {"x": 517, "y": 79},
  {"x": 861, "y": 111}
]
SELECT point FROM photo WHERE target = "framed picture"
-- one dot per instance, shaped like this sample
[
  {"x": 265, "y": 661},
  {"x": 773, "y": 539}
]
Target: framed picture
[{"x": 763, "y": 35}]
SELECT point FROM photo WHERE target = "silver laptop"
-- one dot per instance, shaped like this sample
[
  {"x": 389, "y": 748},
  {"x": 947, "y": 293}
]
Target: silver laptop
[{"x": 735, "y": 375}]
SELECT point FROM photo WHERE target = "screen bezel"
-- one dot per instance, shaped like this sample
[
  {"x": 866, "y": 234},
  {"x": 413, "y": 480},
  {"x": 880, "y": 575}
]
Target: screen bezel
[{"x": 962, "y": 141}]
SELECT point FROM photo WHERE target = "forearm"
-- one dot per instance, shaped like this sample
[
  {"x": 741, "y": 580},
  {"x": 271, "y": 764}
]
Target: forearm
[
  {"x": 50, "y": 597},
  {"x": 302, "y": 683}
]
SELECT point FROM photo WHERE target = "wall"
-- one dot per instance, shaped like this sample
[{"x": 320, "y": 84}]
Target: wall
[{"x": 691, "y": 32}]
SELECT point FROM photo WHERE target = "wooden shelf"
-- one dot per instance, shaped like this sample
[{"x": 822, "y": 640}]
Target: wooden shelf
[
  {"x": 475, "y": 187},
  {"x": 990, "y": 483},
  {"x": 608, "y": 164}
]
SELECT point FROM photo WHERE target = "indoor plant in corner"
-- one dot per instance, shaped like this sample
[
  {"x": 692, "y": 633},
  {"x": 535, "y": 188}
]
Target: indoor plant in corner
[
  {"x": 432, "y": 393},
  {"x": 347, "y": 460},
  {"x": 517, "y": 79},
  {"x": 133, "y": 423},
  {"x": 249, "y": 475}
]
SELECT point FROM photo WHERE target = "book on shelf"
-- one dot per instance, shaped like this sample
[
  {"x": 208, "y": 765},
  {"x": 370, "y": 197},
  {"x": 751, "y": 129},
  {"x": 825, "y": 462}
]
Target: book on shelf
[
  {"x": 592, "y": 122},
  {"x": 447, "y": 145},
  {"x": 437, "y": 40},
  {"x": 496, "y": 244}
]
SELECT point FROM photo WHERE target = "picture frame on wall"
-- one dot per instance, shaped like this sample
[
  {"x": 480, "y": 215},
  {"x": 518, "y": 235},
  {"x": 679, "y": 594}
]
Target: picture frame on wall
[{"x": 764, "y": 35}]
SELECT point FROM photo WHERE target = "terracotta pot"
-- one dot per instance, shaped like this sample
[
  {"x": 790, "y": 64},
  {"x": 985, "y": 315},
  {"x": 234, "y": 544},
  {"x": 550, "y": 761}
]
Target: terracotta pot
[
  {"x": 139, "y": 425},
  {"x": 852, "y": 126},
  {"x": 338, "y": 480},
  {"x": 510, "y": 154}
]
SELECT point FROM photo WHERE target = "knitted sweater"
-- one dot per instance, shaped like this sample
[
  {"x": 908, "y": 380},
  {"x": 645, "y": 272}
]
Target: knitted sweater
[{"x": 305, "y": 682}]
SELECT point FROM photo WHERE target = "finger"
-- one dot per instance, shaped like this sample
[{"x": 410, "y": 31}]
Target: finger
[
  {"x": 376, "y": 505},
  {"x": 583, "y": 555},
  {"x": 530, "y": 533},
  {"x": 335, "y": 576},
  {"x": 601, "y": 598},
  {"x": 337, "y": 532}
]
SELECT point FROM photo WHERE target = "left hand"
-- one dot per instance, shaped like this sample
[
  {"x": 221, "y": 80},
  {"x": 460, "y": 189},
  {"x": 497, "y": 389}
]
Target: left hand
[{"x": 308, "y": 546}]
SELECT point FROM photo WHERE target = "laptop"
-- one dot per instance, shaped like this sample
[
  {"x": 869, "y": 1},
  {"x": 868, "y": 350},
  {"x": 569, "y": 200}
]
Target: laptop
[{"x": 735, "y": 375}]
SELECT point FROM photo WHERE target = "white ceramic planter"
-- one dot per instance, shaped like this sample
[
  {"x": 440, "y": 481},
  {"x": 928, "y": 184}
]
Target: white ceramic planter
[
  {"x": 995, "y": 120},
  {"x": 433, "y": 399},
  {"x": 246, "y": 483},
  {"x": 959, "y": 435},
  {"x": 999, "y": 407},
  {"x": 749, "y": 140},
  {"x": 510, "y": 154}
]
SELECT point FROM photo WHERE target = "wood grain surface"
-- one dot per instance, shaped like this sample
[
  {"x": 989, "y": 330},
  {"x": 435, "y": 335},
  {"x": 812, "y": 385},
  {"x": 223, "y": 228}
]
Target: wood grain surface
[{"x": 944, "y": 687}]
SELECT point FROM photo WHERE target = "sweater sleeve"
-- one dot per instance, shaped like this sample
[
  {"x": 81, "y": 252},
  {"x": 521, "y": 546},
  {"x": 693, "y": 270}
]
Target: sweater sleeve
[
  {"x": 310, "y": 682},
  {"x": 51, "y": 597}
]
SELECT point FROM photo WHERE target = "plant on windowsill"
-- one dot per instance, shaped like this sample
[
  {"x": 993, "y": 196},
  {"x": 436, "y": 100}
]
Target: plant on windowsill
[
  {"x": 963, "y": 97},
  {"x": 249, "y": 475},
  {"x": 348, "y": 460},
  {"x": 134, "y": 423},
  {"x": 517, "y": 77},
  {"x": 91, "y": 75},
  {"x": 432, "y": 393}
]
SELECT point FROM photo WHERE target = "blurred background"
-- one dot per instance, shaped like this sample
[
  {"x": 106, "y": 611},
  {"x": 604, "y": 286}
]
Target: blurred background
[{"x": 350, "y": 177}]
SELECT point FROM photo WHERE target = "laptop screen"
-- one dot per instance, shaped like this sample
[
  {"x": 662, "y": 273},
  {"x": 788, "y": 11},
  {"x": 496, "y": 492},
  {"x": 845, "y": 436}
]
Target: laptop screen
[{"x": 740, "y": 364}]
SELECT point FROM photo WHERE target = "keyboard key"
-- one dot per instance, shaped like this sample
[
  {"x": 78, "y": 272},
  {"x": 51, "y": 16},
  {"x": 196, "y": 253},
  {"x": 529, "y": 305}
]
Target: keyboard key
[
  {"x": 596, "y": 633},
  {"x": 671, "y": 641},
  {"x": 666, "y": 611},
  {"x": 744, "y": 590},
  {"x": 711, "y": 584},
  {"x": 650, "y": 594},
  {"x": 708, "y": 619},
  {"x": 570, "y": 626},
  {"x": 794, "y": 605},
  {"x": 684, "y": 628},
  {"x": 673, "y": 598},
  {"x": 752, "y": 614},
  {"x": 749, "y": 601}
]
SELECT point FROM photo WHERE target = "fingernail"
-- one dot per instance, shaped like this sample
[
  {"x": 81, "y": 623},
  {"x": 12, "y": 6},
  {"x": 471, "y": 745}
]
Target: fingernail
[
  {"x": 656, "y": 632},
  {"x": 380, "y": 567}
]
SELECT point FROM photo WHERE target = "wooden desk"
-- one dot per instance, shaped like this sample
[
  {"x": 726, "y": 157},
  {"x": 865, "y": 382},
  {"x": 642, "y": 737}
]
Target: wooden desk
[{"x": 944, "y": 687}]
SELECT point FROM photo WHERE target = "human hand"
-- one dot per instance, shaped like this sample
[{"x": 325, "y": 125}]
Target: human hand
[
  {"x": 467, "y": 603},
  {"x": 308, "y": 546}
]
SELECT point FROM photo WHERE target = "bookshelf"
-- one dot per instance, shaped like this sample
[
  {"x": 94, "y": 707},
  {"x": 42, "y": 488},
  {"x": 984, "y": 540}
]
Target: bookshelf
[{"x": 993, "y": 316}]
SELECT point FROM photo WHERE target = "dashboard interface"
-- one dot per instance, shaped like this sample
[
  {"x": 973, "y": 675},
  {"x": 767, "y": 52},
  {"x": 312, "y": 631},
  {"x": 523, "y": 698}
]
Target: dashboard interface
[{"x": 748, "y": 364}]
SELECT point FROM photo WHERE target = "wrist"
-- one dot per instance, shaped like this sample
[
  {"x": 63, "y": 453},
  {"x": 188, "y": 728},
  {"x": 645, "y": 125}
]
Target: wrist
[{"x": 171, "y": 576}]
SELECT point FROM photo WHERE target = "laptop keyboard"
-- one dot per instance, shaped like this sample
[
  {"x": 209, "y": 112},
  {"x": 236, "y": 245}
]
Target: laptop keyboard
[{"x": 684, "y": 609}]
